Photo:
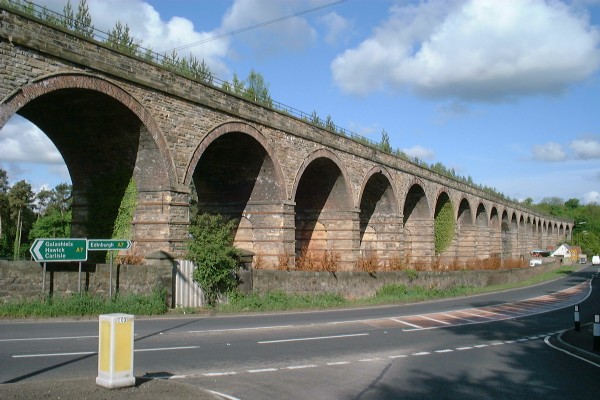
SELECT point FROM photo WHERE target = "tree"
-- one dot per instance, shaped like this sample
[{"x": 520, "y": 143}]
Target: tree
[
  {"x": 257, "y": 89},
  {"x": 20, "y": 199},
  {"x": 385, "y": 145},
  {"x": 211, "y": 249},
  {"x": 120, "y": 39},
  {"x": 83, "y": 20}
]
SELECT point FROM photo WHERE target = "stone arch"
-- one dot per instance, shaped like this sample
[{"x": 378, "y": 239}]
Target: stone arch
[
  {"x": 466, "y": 231},
  {"x": 47, "y": 84},
  {"x": 236, "y": 127},
  {"x": 323, "y": 198},
  {"x": 495, "y": 225},
  {"x": 417, "y": 226},
  {"x": 235, "y": 175},
  {"x": 379, "y": 220},
  {"x": 106, "y": 137}
]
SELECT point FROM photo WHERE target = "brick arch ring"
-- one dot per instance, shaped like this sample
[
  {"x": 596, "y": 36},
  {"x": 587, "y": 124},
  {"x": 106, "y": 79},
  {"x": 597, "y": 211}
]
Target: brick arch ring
[
  {"x": 50, "y": 83},
  {"x": 231, "y": 127}
]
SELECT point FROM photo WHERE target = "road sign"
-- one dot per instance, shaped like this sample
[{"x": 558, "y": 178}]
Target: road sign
[
  {"x": 108, "y": 244},
  {"x": 57, "y": 249}
]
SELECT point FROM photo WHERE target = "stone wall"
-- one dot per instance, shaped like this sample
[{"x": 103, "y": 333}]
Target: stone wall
[
  {"x": 24, "y": 280},
  {"x": 353, "y": 285}
]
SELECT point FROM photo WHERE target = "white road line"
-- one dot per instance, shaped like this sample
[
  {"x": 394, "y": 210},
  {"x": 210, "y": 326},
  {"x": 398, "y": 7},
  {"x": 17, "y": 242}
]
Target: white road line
[
  {"x": 85, "y": 353},
  {"x": 406, "y": 323},
  {"x": 480, "y": 346},
  {"x": 220, "y": 373},
  {"x": 82, "y": 353},
  {"x": 398, "y": 356},
  {"x": 435, "y": 320},
  {"x": 475, "y": 315},
  {"x": 339, "y": 363},
  {"x": 302, "y": 366},
  {"x": 48, "y": 338},
  {"x": 421, "y": 353},
  {"x": 243, "y": 329},
  {"x": 455, "y": 317},
  {"x": 226, "y": 396},
  {"x": 168, "y": 348},
  {"x": 464, "y": 348},
  {"x": 547, "y": 341},
  {"x": 254, "y": 371},
  {"x": 311, "y": 338},
  {"x": 370, "y": 359},
  {"x": 444, "y": 351}
]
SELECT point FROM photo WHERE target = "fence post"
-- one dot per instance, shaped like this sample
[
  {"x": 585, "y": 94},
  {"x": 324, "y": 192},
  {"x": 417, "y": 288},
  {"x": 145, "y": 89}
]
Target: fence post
[{"x": 597, "y": 332}]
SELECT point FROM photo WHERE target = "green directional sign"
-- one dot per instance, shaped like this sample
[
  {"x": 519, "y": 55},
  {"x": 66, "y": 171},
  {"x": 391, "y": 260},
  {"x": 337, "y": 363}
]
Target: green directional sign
[
  {"x": 44, "y": 250},
  {"x": 108, "y": 244}
]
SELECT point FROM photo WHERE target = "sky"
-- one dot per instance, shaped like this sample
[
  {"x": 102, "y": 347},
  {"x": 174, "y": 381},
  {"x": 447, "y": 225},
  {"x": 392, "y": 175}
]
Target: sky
[{"x": 506, "y": 92}]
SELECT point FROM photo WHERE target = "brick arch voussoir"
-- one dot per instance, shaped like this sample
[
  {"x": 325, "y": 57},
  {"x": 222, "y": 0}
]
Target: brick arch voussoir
[
  {"x": 231, "y": 127},
  {"x": 68, "y": 80},
  {"x": 416, "y": 181},
  {"x": 373, "y": 171},
  {"x": 324, "y": 153}
]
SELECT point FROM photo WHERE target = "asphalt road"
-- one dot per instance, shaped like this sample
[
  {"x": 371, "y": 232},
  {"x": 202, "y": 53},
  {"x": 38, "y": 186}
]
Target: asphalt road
[{"x": 476, "y": 347}]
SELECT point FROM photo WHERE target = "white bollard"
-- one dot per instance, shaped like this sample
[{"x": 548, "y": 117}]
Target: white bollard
[{"x": 115, "y": 351}]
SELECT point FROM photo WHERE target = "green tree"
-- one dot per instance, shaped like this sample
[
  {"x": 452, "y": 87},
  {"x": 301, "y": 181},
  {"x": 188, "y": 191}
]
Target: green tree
[
  {"x": 120, "y": 39},
  {"x": 20, "y": 199},
  {"x": 385, "y": 145},
  {"x": 211, "y": 249},
  {"x": 257, "y": 89},
  {"x": 52, "y": 224},
  {"x": 443, "y": 226},
  {"x": 82, "y": 23}
]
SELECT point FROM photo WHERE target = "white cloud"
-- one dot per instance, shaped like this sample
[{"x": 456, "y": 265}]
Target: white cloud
[
  {"x": 293, "y": 33},
  {"x": 337, "y": 27},
  {"x": 21, "y": 141},
  {"x": 485, "y": 50},
  {"x": 591, "y": 197},
  {"x": 419, "y": 152},
  {"x": 586, "y": 149},
  {"x": 549, "y": 152}
]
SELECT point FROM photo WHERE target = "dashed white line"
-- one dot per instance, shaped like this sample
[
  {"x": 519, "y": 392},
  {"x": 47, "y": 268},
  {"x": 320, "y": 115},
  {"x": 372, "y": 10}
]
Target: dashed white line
[
  {"x": 302, "y": 366},
  {"x": 258, "y": 328},
  {"x": 464, "y": 348},
  {"x": 421, "y": 353},
  {"x": 338, "y": 363},
  {"x": 255, "y": 371},
  {"x": 311, "y": 338},
  {"x": 444, "y": 351},
  {"x": 220, "y": 373}
]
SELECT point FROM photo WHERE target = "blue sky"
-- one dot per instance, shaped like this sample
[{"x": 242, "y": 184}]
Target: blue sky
[{"x": 506, "y": 92}]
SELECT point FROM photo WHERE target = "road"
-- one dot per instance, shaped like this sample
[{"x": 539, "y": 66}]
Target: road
[{"x": 490, "y": 346}]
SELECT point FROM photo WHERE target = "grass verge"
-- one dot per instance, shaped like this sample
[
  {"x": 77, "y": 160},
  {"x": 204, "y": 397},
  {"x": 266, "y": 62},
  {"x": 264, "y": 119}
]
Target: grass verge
[{"x": 77, "y": 305}]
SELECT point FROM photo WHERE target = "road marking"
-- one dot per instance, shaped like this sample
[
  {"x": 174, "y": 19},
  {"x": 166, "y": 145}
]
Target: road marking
[
  {"x": 444, "y": 351},
  {"x": 406, "y": 323},
  {"x": 434, "y": 320},
  {"x": 220, "y": 373},
  {"x": 547, "y": 341},
  {"x": 81, "y": 353},
  {"x": 168, "y": 348},
  {"x": 226, "y": 396},
  {"x": 243, "y": 329},
  {"x": 421, "y": 353},
  {"x": 338, "y": 363},
  {"x": 398, "y": 356},
  {"x": 254, "y": 371},
  {"x": 48, "y": 338},
  {"x": 370, "y": 359},
  {"x": 312, "y": 338},
  {"x": 464, "y": 348},
  {"x": 86, "y": 353},
  {"x": 302, "y": 366}
]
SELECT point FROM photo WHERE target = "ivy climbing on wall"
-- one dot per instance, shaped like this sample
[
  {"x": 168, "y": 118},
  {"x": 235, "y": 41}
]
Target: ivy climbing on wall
[{"x": 443, "y": 228}]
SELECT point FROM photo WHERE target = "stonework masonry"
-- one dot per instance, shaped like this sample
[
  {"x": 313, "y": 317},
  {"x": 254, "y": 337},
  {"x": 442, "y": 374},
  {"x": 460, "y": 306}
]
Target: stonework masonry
[{"x": 288, "y": 184}]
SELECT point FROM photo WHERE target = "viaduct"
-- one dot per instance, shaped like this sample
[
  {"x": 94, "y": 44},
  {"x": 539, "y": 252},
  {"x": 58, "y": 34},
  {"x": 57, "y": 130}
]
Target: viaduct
[{"x": 288, "y": 184}]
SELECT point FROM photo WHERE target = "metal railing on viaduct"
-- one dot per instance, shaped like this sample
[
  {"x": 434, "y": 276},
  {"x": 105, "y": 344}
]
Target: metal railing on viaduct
[{"x": 289, "y": 185}]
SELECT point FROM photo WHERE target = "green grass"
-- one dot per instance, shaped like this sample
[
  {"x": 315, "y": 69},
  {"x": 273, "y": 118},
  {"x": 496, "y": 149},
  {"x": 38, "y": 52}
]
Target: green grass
[{"x": 77, "y": 305}]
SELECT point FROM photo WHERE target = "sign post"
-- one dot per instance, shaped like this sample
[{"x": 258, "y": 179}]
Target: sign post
[
  {"x": 59, "y": 249},
  {"x": 106, "y": 245}
]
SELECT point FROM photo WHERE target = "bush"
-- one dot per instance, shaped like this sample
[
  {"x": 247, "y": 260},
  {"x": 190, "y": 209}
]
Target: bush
[{"x": 211, "y": 249}]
